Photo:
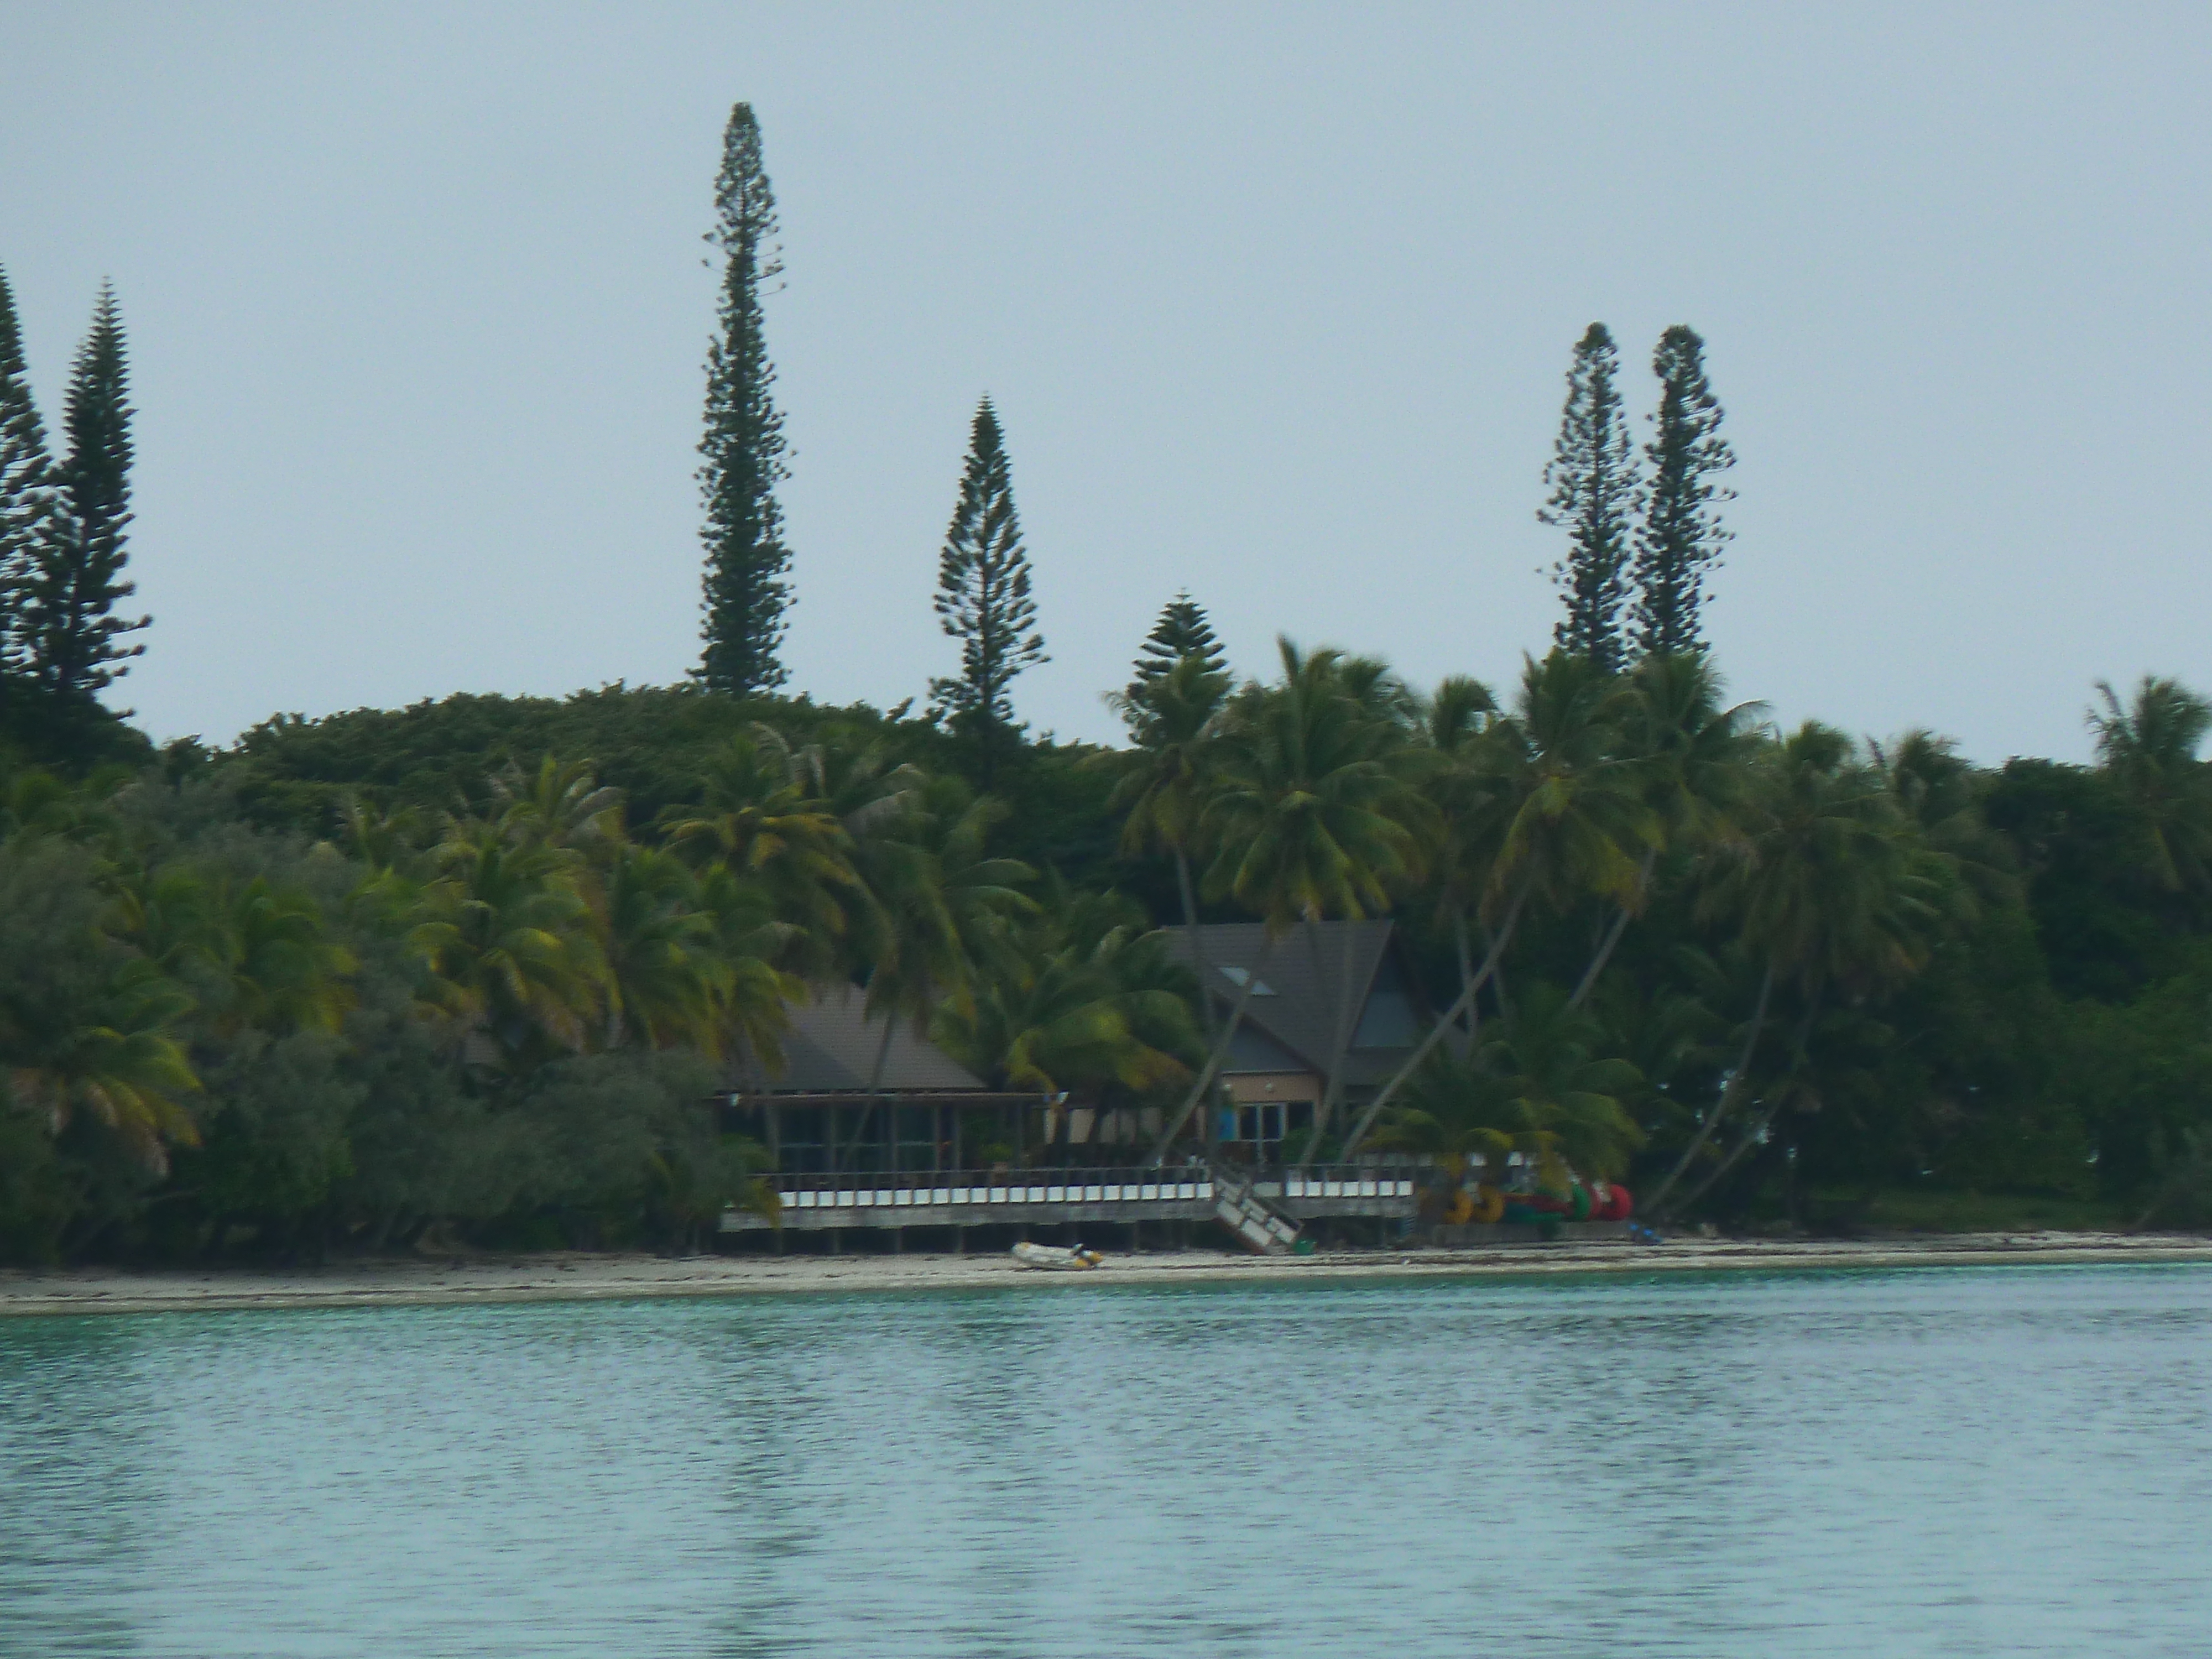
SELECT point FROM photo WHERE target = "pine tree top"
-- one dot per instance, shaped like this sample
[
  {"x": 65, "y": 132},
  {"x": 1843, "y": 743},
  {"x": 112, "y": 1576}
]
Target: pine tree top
[
  {"x": 1183, "y": 630},
  {"x": 24, "y": 462},
  {"x": 744, "y": 594},
  {"x": 983, "y": 598},
  {"x": 67, "y": 621},
  {"x": 1680, "y": 541},
  {"x": 96, "y": 419},
  {"x": 744, "y": 204},
  {"x": 1592, "y": 483}
]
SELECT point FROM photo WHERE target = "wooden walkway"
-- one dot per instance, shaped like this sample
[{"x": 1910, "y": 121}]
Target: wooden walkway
[{"x": 1051, "y": 1197}]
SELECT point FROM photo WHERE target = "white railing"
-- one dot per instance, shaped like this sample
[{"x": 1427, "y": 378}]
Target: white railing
[
  {"x": 1337, "y": 1180},
  {"x": 922, "y": 1190}
]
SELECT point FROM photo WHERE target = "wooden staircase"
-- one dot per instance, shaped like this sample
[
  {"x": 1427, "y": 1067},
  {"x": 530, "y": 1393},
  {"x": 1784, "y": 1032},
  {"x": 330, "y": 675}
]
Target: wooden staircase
[{"x": 1259, "y": 1226}]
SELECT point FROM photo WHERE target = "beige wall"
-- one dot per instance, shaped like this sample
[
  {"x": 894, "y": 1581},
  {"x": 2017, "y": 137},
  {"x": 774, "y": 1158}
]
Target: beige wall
[{"x": 1245, "y": 1086}]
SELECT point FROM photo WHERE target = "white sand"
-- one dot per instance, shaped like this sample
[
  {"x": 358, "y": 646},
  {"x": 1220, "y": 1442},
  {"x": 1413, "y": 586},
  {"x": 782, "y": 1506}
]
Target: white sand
[{"x": 577, "y": 1277}]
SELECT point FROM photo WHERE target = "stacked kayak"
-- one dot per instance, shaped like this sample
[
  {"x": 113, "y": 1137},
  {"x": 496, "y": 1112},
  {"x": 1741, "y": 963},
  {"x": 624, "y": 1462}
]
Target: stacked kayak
[{"x": 1592, "y": 1200}]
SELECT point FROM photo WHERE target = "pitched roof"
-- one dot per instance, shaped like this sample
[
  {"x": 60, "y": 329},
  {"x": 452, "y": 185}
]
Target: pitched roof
[
  {"x": 831, "y": 1048},
  {"x": 1316, "y": 985}
]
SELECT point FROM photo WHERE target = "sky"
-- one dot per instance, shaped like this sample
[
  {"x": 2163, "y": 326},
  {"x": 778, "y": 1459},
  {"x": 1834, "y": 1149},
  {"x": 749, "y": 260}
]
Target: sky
[{"x": 1275, "y": 303}]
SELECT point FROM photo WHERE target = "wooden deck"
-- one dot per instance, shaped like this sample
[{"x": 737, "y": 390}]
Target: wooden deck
[{"x": 982, "y": 1198}]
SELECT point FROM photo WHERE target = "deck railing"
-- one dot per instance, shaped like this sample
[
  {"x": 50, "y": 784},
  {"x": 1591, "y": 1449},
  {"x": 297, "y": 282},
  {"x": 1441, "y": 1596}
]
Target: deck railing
[
  {"x": 922, "y": 1189},
  {"x": 1337, "y": 1181},
  {"x": 926, "y": 1190}
]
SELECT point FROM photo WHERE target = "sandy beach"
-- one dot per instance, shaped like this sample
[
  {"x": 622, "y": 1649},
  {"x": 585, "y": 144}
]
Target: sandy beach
[{"x": 582, "y": 1278}]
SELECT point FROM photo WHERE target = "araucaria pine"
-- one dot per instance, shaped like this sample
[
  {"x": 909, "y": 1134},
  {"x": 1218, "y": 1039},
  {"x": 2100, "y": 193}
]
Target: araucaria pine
[
  {"x": 1680, "y": 539},
  {"x": 67, "y": 617},
  {"x": 27, "y": 502},
  {"x": 746, "y": 592},
  {"x": 1182, "y": 631},
  {"x": 1592, "y": 480},
  {"x": 983, "y": 595}
]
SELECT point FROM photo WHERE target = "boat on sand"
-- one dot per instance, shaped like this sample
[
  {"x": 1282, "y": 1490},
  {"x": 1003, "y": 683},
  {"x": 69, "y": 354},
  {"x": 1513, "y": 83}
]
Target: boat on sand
[{"x": 1052, "y": 1258}]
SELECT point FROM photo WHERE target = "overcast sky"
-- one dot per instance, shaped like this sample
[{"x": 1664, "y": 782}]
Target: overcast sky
[{"x": 1274, "y": 302}]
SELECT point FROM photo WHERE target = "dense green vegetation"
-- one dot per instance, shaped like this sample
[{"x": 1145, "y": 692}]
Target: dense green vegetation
[
  {"x": 385, "y": 975},
  {"x": 475, "y": 967}
]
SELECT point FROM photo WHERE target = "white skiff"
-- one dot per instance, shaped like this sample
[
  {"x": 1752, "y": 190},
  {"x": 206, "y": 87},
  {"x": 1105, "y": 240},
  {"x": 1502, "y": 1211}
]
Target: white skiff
[{"x": 1052, "y": 1259}]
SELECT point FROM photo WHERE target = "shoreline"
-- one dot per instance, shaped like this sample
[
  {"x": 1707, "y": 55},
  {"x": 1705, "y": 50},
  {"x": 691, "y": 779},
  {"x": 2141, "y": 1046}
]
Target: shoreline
[{"x": 576, "y": 1277}]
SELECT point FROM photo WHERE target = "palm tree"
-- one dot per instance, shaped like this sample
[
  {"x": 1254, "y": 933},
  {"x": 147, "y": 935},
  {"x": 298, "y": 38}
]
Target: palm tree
[
  {"x": 171, "y": 914},
  {"x": 1548, "y": 1061},
  {"x": 664, "y": 980},
  {"x": 938, "y": 901},
  {"x": 1829, "y": 889},
  {"x": 282, "y": 970},
  {"x": 507, "y": 937},
  {"x": 1174, "y": 717},
  {"x": 1540, "y": 1088},
  {"x": 752, "y": 995},
  {"x": 1463, "y": 785},
  {"x": 763, "y": 814},
  {"x": 2148, "y": 747},
  {"x": 944, "y": 899},
  {"x": 123, "y": 1063},
  {"x": 1693, "y": 760},
  {"x": 1309, "y": 817},
  {"x": 1939, "y": 794},
  {"x": 1061, "y": 1014},
  {"x": 1455, "y": 1112},
  {"x": 1568, "y": 811},
  {"x": 561, "y": 804}
]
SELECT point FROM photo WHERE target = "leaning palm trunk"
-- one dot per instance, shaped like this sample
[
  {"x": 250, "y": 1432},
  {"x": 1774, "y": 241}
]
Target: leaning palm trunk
[
  {"x": 1752, "y": 1136},
  {"x": 1466, "y": 979},
  {"x": 1728, "y": 1096},
  {"x": 1197, "y": 944},
  {"x": 1218, "y": 1053},
  {"x": 1612, "y": 933},
  {"x": 875, "y": 1086},
  {"x": 1437, "y": 1031},
  {"x": 1332, "y": 1087}
]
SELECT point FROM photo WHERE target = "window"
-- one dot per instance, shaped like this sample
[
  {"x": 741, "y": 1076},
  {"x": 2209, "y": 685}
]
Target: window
[{"x": 1236, "y": 976}]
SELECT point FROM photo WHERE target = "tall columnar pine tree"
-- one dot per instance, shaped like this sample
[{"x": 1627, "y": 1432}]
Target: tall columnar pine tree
[
  {"x": 1592, "y": 478},
  {"x": 1681, "y": 538},
  {"x": 75, "y": 638},
  {"x": 746, "y": 592},
  {"x": 983, "y": 596},
  {"x": 1182, "y": 631},
  {"x": 27, "y": 500}
]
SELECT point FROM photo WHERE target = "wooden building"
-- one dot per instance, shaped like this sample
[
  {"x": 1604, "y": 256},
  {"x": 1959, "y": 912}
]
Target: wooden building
[
  {"x": 1336, "y": 999},
  {"x": 863, "y": 1092},
  {"x": 873, "y": 1128}
]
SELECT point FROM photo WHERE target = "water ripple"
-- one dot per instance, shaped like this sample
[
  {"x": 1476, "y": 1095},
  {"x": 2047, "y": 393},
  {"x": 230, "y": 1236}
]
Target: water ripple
[{"x": 1954, "y": 1462}]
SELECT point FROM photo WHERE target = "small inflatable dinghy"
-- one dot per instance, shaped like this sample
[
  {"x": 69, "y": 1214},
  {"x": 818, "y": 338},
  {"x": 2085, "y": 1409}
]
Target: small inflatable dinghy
[{"x": 1052, "y": 1259}]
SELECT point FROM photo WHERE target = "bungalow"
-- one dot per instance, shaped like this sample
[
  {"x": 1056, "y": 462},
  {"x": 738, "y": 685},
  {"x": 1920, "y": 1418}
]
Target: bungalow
[
  {"x": 870, "y": 1126},
  {"x": 1333, "y": 999},
  {"x": 862, "y": 1091}
]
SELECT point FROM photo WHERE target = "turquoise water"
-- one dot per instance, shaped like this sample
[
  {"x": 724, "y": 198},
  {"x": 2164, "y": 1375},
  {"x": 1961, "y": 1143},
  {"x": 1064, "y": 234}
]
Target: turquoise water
[{"x": 1969, "y": 1461}]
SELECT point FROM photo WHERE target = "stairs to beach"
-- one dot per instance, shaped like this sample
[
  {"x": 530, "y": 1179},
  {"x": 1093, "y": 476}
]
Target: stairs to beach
[{"x": 1260, "y": 1226}]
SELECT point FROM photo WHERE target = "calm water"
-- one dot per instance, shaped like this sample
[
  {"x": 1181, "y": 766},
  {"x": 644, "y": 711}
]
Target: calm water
[{"x": 1984, "y": 1461}]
